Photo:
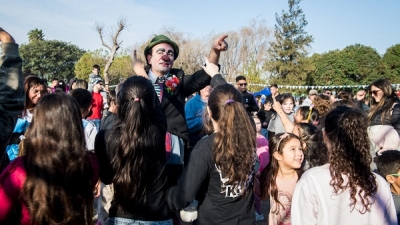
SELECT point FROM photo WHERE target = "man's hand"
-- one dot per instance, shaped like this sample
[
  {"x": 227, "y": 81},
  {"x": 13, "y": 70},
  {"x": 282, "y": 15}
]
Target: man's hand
[
  {"x": 5, "y": 37},
  {"x": 210, "y": 68},
  {"x": 138, "y": 66},
  {"x": 220, "y": 44}
]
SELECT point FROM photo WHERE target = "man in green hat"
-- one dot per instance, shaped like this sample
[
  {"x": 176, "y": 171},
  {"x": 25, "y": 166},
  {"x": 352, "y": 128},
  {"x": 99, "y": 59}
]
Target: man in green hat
[{"x": 173, "y": 86}]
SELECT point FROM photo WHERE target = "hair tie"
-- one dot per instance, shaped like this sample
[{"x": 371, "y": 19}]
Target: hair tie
[
  {"x": 136, "y": 99},
  {"x": 309, "y": 113},
  {"x": 229, "y": 101}
]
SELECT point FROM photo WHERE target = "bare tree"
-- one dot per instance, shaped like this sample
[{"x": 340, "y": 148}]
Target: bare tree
[{"x": 115, "y": 45}]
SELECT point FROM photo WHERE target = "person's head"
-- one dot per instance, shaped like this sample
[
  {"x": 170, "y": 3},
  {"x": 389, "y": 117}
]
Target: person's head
[
  {"x": 274, "y": 89},
  {"x": 57, "y": 165},
  {"x": 97, "y": 84},
  {"x": 314, "y": 150},
  {"x": 286, "y": 156},
  {"x": 312, "y": 94},
  {"x": 81, "y": 84},
  {"x": 35, "y": 88},
  {"x": 139, "y": 140},
  {"x": 382, "y": 98},
  {"x": 346, "y": 138},
  {"x": 84, "y": 99},
  {"x": 241, "y": 83},
  {"x": 61, "y": 87},
  {"x": 306, "y": 114},
  {"x": 257, "y": 121},
  {"x": 322, "y": 103},
  {"x": 233, "y": 154},
  {"x": 388, "y": 165},
  {"x": 160, "y": 54},
  {"x": 112, "y": 101},
  {"x": 54, "y": 82},
  {"x": 267, "y": 105},
  {"x": 287, "y": 102},
  {"x": 344, "y": 95},
  {"x": 96, "y": 69},
  {"x": 72, "y": 83},
  {"x": 327, "y": 92},
  {"x": 205, "y": 92}
]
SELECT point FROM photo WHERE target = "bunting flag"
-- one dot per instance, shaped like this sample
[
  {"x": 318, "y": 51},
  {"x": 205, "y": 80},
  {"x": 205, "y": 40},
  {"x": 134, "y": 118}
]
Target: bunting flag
[{"x": 395, "y": 86}]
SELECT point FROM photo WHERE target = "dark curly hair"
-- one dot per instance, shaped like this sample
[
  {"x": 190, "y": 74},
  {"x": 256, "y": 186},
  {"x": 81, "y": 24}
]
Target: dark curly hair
[
  {"x": 315, "y": 151},
  {"x": 348, "y": 144}
]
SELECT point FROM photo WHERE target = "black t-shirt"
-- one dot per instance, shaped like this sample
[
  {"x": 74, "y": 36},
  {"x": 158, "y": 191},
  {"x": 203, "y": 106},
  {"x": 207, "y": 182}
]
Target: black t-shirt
[
  {"x": 219, "y": 204},
  {"x": 265, "y": 117}
]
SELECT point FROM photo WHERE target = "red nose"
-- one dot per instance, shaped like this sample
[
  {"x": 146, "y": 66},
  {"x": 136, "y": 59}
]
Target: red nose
[{"x": 165, "y": 58}]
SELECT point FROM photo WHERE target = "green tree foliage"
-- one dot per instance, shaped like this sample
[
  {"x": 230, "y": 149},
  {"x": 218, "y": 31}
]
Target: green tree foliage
[
  {"x": 35, "y": 35},
  {"x": 392, "y": 61},
  {"x": 121, "y": 67},
  {"x": 50, "y": 58},
  {"x": 288, "y": 52},
  {"x": 355, "y": 64}
]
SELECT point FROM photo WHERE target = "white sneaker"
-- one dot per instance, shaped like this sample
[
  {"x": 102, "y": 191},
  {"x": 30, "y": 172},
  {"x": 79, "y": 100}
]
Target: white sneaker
[{"x": 259, "y": 217}]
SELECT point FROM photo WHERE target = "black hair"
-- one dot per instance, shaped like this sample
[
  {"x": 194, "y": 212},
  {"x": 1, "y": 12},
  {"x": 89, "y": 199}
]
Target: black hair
[
  {"x": 95, "y": 66},
  {"x": 388, "y": 162},
  {"x": 83, "y": 97},
  {"x": 240, "y": 78}
]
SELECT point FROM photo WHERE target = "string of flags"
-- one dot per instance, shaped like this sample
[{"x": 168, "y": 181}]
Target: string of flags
[{"x": 396, "y": 86}]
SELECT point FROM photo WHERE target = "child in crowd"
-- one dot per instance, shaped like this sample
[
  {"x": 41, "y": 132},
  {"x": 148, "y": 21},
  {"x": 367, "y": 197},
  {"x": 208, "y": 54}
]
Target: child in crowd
[
  {"x": 344, "y": 191},
  {"x": 280, "y": 177},
  {"x": 265, "y": 115},
  {"x": 221, "y": 166},
  {"x": 275, "y": 125},
  {"x": 84, "y": 99},
  {"x": 388, "y": 165},
  {"x": 315, "y": 151},
  {"x": 263, "y": 157},
  {"x": 132, "y": 156},
  {"x": 53, "y": 182},
  {"x": 306, "y": 114}
]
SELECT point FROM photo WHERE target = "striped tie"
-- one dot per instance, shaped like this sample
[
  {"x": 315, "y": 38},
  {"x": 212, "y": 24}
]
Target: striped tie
[{"x": 158, "y": 87}]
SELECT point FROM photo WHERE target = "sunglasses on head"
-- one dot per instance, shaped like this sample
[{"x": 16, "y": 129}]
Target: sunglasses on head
[{"x": 243, "y": 84}]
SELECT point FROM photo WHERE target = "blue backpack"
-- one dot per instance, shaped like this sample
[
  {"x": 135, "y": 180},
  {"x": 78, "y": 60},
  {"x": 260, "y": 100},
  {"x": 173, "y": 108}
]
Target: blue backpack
[{"x": 12, "y": 148}]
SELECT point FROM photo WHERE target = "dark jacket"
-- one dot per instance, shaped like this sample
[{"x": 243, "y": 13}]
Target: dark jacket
[
  {"x": 393, "y": 120},
  {"x": 11, "y": 95},
  {"x": 173, "y": 103},
  {"x": 248, "y": 99}
]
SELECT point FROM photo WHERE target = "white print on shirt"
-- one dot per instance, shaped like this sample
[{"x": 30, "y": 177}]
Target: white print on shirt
[{"x": 233, "y": 190}]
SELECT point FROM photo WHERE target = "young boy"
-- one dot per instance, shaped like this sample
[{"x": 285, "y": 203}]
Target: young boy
[
  {"x": 84, "y": 99},
  {"x": 388, "y": 165}
]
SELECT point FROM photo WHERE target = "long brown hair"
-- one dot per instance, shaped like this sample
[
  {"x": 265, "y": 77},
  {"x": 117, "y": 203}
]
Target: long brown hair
[
  {"x": 59, "y": 183},
  {"x": 138, "y": 140},
  {"x": 385, "y": 104},
  {"x": 235, "y": 142},
  {"x": 349, "y": 155},
  {"x": 270, "y": 172}
]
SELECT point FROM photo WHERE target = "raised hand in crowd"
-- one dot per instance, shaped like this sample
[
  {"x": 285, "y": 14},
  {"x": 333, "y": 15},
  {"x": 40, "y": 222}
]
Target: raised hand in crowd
[{"x": 138, "y": 66}]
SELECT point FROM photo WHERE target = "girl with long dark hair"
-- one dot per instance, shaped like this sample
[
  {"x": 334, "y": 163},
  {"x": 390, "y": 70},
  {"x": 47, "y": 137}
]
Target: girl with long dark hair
[
  {"x": 132, "y": 156},
  {"x": 53, "y": 182}
]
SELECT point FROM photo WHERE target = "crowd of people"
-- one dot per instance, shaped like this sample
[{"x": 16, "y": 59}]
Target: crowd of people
[{"x": 144, "y": 153}]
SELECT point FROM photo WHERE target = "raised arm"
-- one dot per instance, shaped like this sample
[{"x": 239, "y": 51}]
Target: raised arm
[
  {"x": 287, "y": 124},
  {"x": 11, "y": 89},
  {"x": 217, "y": 47}
]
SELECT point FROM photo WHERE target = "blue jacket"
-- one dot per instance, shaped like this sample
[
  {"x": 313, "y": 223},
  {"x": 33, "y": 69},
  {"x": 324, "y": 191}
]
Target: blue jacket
[{"x": 194, "y": 109}]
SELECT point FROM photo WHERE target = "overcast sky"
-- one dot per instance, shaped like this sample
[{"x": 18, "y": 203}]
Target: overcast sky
[{"x": 333, "y": 24}]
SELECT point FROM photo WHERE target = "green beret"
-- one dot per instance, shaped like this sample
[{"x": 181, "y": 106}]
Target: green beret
[{"x": 161, "y": 39}]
